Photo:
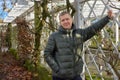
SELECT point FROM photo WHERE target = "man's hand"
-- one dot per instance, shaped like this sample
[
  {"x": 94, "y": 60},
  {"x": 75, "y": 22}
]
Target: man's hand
[{"x": 110, "y": 14}]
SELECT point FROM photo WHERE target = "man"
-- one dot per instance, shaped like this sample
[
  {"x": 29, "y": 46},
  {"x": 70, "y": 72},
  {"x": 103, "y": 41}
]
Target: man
[{"x": 64, "y": 47}]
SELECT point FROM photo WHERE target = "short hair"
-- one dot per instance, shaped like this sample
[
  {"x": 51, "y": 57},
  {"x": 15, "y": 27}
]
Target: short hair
[{"x": 63, "y": 13}]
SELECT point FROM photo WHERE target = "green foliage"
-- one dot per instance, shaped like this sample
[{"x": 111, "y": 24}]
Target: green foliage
[
  {"x": 94, "y": 77},
  {"x": 14, "y": 53},
  {"x": 8, "y": 36},
  {"x": 42, "y": 73},
  {"x": 29, "y": 65},
  {"x": 93, "y": 42},
  {"x": 39, "y": 71}
]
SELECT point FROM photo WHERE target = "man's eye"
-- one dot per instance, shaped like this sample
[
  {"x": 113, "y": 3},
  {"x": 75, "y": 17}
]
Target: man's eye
[
  {"x": 63, "y": 20},
  {"x": 67, "y": 19}
]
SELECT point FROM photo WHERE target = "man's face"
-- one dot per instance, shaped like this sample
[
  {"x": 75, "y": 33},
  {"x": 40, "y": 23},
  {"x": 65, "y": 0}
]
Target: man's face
[{"x": 66, "y": 21}]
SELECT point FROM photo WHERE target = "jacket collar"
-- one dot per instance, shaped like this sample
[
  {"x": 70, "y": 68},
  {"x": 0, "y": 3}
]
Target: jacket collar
[{"x": 61, "y": 29}]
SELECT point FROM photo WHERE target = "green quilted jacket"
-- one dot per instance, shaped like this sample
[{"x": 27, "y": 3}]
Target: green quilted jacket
[{"x": 64, "y": 47}]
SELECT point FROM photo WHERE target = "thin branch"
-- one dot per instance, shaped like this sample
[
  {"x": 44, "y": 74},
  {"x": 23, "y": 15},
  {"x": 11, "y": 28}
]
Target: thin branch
[{"x": 113, "y": 5}]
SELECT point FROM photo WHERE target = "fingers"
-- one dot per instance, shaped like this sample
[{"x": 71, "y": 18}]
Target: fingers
[{"x": 110, "y": 14}]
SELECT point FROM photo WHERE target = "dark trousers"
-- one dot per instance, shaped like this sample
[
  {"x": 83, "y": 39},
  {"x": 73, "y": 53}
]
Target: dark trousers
[{"x": 75, "y": 78}]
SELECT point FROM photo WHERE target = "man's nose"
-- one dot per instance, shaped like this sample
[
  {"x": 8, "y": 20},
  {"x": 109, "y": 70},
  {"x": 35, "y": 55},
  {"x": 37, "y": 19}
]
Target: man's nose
[{"x": 66, "y": 20}]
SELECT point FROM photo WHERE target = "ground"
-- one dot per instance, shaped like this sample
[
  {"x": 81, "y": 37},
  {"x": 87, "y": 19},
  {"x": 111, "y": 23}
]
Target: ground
[{"x": 10, "y": 69}]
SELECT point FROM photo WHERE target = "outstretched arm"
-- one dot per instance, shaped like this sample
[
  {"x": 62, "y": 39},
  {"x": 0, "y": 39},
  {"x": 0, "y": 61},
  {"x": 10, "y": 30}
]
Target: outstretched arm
[{"x": 96, "y": 27}]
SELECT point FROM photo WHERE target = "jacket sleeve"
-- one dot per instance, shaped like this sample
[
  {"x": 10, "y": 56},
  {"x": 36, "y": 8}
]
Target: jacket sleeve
[
  {"x": 96, "y": 27},
  {"x": 49, "y": 52}
]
